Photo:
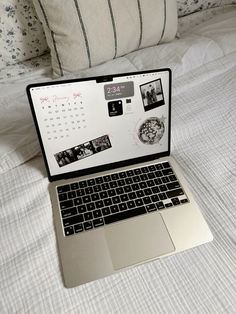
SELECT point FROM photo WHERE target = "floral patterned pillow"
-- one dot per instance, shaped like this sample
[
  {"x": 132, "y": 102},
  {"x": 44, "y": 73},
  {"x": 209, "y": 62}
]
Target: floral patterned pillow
[
  {"x": 21, "y": 33},
  {"x": 186, "y": 7}
]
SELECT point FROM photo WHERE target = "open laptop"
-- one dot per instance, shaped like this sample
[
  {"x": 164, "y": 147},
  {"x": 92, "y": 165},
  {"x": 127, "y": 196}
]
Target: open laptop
[{"x": 118, "y": 197}]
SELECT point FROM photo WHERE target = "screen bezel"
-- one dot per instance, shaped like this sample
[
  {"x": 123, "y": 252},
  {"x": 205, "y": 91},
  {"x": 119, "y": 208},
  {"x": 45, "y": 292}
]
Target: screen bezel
[{"x": 99, "y": 79}]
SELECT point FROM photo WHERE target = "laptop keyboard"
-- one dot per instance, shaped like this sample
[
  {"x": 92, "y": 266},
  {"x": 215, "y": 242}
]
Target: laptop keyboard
[{"x": 92, "y": 203}]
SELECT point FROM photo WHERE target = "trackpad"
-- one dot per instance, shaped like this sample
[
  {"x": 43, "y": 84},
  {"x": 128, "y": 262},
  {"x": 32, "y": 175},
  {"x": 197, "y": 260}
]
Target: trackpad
[{"x": 135, "y": 240}]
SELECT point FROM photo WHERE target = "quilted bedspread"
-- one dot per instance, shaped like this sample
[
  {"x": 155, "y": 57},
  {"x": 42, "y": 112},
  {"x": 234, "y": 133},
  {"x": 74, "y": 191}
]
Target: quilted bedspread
[{"x": 200, "y": 280}]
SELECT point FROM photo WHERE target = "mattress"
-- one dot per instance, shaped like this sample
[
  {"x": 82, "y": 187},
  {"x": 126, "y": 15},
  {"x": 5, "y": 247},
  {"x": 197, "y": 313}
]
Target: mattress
[{"x": 200, "y": 280}]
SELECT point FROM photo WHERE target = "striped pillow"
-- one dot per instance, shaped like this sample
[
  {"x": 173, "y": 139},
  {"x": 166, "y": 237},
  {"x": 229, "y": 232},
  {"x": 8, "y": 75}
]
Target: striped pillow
[{"x": 84, "y": 33}]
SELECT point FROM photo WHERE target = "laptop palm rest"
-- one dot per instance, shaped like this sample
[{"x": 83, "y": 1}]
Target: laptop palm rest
[{"x": 135, "y": 240}]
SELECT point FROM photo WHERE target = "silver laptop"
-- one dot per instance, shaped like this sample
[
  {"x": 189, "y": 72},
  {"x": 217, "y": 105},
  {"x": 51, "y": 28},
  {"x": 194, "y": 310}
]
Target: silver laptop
[{"x": 118, "y": 197}]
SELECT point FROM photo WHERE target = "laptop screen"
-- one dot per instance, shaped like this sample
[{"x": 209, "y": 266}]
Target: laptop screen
[{"x": 100, "y": 121}]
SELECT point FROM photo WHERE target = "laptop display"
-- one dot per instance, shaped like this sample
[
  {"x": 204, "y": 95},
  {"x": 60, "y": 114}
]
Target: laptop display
[{"x": 89, "y": 123}]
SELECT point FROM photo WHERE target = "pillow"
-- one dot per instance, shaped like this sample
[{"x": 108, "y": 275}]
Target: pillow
[
  {"x": 21, "y": 33},
  {"x": 84, "y": 33},
  {"x": 186, "y": 7}
]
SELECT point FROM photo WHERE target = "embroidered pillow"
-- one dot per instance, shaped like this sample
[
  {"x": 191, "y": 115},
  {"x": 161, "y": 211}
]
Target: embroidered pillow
[
  {"x": 21, "y": 33},
  {"x": 84, "y": 33}
]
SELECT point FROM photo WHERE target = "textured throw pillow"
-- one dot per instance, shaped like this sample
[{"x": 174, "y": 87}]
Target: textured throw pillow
[
  {"x": 84, "y": 33},
  {"x": 21, "y": 33},
  {"x": 186, "y": 7}
]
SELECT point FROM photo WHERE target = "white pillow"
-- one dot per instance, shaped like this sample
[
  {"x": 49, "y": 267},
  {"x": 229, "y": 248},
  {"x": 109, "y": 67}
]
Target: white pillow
[
  {"x": 21, "y": 33},
  {"x": 84, "y": 33}
]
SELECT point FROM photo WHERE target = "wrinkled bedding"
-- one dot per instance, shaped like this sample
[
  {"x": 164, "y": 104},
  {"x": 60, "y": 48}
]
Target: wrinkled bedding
[{"x": 201, "y": 280}]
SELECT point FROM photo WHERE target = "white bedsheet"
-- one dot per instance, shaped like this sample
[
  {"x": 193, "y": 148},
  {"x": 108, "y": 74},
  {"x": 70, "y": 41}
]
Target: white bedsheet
[{"x": 201, "y": 280}]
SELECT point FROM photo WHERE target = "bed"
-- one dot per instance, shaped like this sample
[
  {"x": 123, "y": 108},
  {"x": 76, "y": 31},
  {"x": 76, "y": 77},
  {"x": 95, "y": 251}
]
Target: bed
[{"x": 200, "y": 280}]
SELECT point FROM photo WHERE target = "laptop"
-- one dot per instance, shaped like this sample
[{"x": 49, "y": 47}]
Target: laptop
[{"x": 118, "y": 196}]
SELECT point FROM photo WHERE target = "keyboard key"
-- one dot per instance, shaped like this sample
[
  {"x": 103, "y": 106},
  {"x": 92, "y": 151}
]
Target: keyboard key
[
  {"x": 66, "y": 204},
  {"x": 151, "y": 207},
  {"x": 113, "y": 184},
  {"x": 143, "y": 177},
  {"x": 99, "y": 204},
  {"x": 140, "y": 193},
  {"x": 111, "y": 193},
  {"x": 71, "y": 194},
  {"x": 144, "y": 170},
  {"x": 172, "y": 178},
  {"x": 74, "y": 186},
  {"x": 174, "y": 193},
  {"x": 122, "y": 175},
  {"x": 158, "y": 181},
  {"x": 99, "y": 180},
  {"x": 88, "y": 216},
  {"x": 158, "y": 166},
  {"x": 91, "y": 182},
  {"x": 114, "y": 208},
  {"x": 160, "y": 205},
  {"x": 63, "y": 197},
  {"x": 162, "y": 196},
  {"x": 68, "y": 212},
  {"x": 121, "y": 182},
  {"x": 63, "y": 188},
  {"x": 158, "y": 174},
  {"x": 86, "y": 199},
  {"x": 82, "y": 184},
  {"x": 78, "y": 228},
  {"x": 73, "y": 220},
  {"x": 125, "y": 214},
  {"x": 95, "y": 197},
  {"x": 88, "y": 190},
  {"x": 150, "y": 183},
  {"x": 107, "y": 202},
  {"x": 151, "y": 168},
  {"x": 128, "y": 180},
  {"x": 98, "y": 222},
  {"x": 184, "y": 201},
  {"x": 97, "y": 213},
  {"x": 136, "y": 179},
  {"x": 105, "y": 186},
  {"x": 103, "y": 194},
  {"x": 147, "y": 200},
  {"x": 122, "y": 206},
  {"x": 167, "y": 172},
  {"x": 69, "y": 231},
  {"x": 106, "y": 211},
  {"x": 80, "y": 192},
  {"x": 175, "y": 201},
  {"x": 88, "y": 225},
  {"x": 97, "y": 188},
  {"x": 127, "y": 189},
  {"x": 124, "y": 198},
  {"x": 147, "y": 191},
  {"x": 155, "y": 190},
  {"x": 81, "y": 209},
  {"x": 151, "y": 175},
  {"x": 163, "y": 188},
  {"x": 115, "y": 176},
  {"x": 130, "y": 173},
  {"x": 143, "y": 185},
  {"x": 154, "y": 198},
  {"x": 78, "y": 201},
  {"x": 166, "y": 164},
  {"x": 119, "y": 191},
  {"x": 138, "y": 202},
  {"x": 131, "y": 204},
  {"x": 107, "y": 178},
  {"x": 135, "y": 187},
  {"x": 137, "y": 171},
  {"x": 168, "y": 204},
  {"x": 173, "y": 185},
  {"x": 90, "y": 206},
  {"x": 165, "y": 179},
  {"x": 115, "y": 199},
  {"x": 132, "y": 195}
]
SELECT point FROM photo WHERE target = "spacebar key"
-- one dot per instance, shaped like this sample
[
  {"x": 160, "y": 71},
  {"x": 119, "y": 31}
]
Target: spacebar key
[{"x": 125, "y": 214}]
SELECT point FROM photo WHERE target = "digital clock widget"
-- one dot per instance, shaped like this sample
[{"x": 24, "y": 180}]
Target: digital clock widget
[
  {"x": 119, "y": 90},
  {"x": 115, "y": 108}
]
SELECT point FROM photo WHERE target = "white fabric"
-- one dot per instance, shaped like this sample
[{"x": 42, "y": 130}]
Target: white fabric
[
  {"x": 201, "y": 280},
  {"x": 84, "y": 33}
]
